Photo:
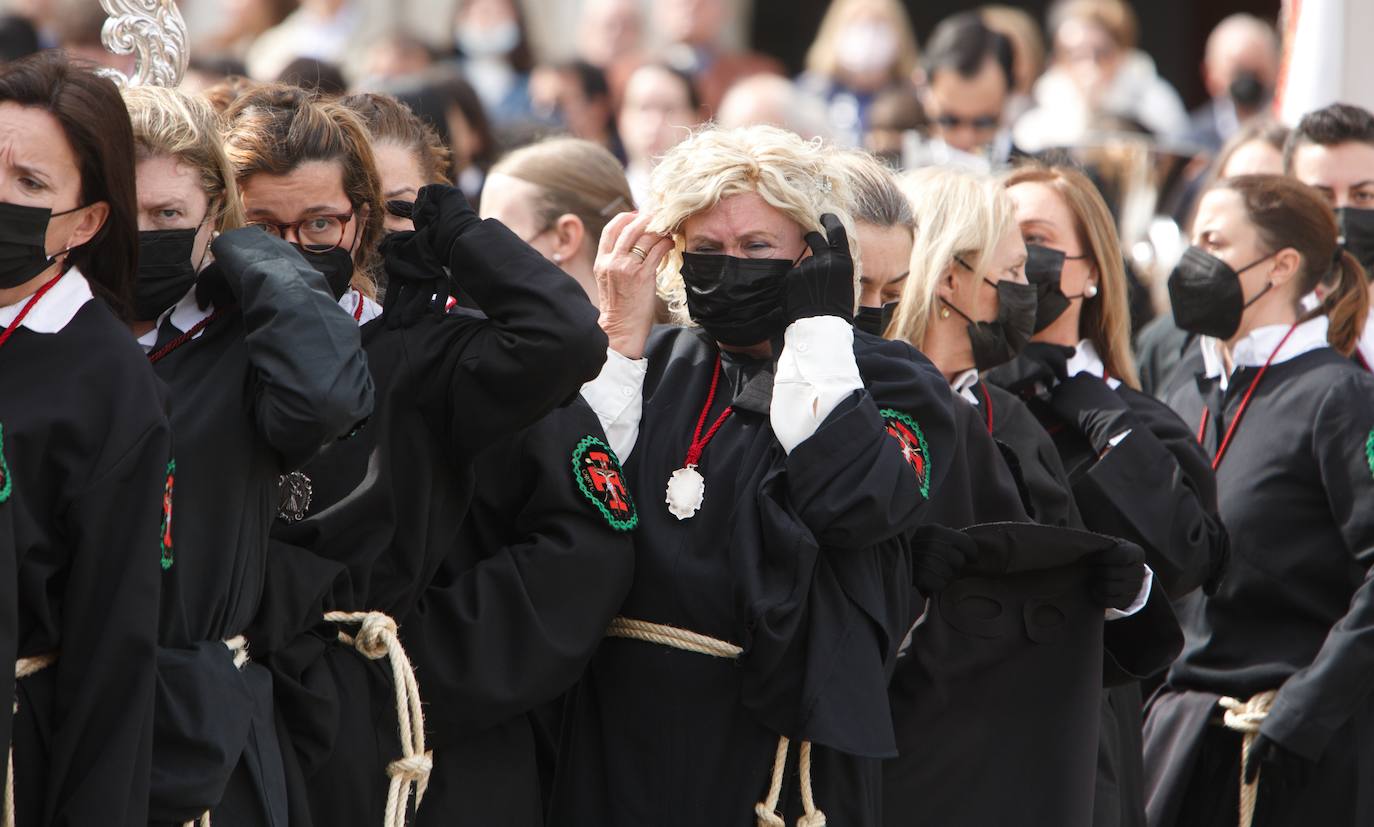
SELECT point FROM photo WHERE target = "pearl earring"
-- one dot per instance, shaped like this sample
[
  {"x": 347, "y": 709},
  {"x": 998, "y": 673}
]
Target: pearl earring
[
  {"x": 557, "y": 258},
  {"x": 944, "y": 312},
  {"x": 1090, "y": 290}
]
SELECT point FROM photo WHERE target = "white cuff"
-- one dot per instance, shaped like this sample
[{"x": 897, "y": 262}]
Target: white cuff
[
  {"x": 816, "y": 371},
  {"x": 617, "y": 397},
  {"x": 1140, "y": 599}
]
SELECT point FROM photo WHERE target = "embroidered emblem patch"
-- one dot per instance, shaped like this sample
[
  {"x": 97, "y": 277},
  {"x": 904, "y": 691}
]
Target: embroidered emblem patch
[
  {"x": 1368, "y": 455},
  {"x": 166, "y": 534},
  {"x": 294, "y": 493},
  {"x": 6, "y": 484},
  {"x": 913, "y": 441},
  {"x": 601, "y": 481}
]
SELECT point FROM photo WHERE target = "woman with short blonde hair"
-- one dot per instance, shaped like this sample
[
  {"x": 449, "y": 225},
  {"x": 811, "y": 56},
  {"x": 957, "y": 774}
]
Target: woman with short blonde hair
[{"x": 775, "y": 455}]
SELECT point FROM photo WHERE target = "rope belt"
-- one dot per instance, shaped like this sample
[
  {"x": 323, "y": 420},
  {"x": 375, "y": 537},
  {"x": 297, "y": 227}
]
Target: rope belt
[
  {"x": 1245, "y": 717},
  {"x": 23, "y": 668},
  {"x": 376, "y": 639},
  {"x": 766, "y": 811}
]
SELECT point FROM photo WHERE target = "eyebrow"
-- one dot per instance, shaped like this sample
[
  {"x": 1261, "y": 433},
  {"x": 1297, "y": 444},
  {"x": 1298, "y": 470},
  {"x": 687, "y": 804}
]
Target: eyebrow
[
  {"x": 305, "y": 213},
  {"x": 1038, "y": 222},
  {"x": 401, "y": 191},
  {"x": 171, "y": 203},
  {"x": 1362, "y": 184},
  {"x": 32, "y": 172}
]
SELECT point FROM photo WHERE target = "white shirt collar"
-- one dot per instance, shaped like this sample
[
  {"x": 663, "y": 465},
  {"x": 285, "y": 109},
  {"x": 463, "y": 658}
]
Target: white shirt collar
[
  {"x": 184, "y": 315},
  {"x": 55, "y": 309},
  {"x": 1086, "y": 360},
  {"x": 963, "y": 385},
  {"x": 1254, "y": 350},
  {"x": 370, "y": 309},
  {"x": 1366, "y": 344}
]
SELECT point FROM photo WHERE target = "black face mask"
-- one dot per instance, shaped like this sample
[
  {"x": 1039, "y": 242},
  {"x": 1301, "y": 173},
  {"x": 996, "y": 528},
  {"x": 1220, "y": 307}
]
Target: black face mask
[
  {"x": 998, "y": 342},
  {"x": 1044, "y": 269},
  {"x": 336, "y": 266},
  {"x": 1357, "y": 235},
  {"x": 1206, "y": 295},
  {"x": 738, "y": 301},
  {"x": 875, "y": 320},
  {"x": 1247, "y": 91},
  {"x": 165, "y": 270},
  {"x": 23, "y": 243}
]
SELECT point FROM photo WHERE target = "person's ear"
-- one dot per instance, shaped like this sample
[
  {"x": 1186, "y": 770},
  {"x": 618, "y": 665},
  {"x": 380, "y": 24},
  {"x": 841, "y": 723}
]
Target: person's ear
[
  {"x": 948, "y": 285},
  {"x": 91, "y": 218},
  {"x": 1287, "y": 263},
  {"x": 569, "y": 236}
]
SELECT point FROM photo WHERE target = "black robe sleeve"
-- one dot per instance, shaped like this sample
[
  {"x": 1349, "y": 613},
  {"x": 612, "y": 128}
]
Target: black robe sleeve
[
  {"x": 1156, "y": 488},
  {"x": 312, "y": 381},
  {"x": 103, "y": 715},
  {"x": 854, "y": 482},
  {"x": 507, "y": 627},
  {"x": 541, "y": 343},
  {"x": 1320, "y": 698}
]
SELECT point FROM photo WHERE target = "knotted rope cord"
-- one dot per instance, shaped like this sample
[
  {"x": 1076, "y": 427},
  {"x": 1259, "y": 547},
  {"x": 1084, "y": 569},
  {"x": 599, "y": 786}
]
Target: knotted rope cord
[
  {"x": 673, "y": 637},
  {"x": 238, "y": 647},
  {"x": 376, "y": 639},
  {"x": 23, "y": 668},
  {"x": 1245, "y": 717}
]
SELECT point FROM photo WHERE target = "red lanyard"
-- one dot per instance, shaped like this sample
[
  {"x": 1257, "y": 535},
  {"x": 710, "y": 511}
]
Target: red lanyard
[
  {"x": 700, "y": 442},
  {"x": 166, "y": 350},
  {"x": 358, "y": 311},
  {"x": 1244, "y": 403},
  {"x": 24, "y": 311},
  {"x": 987, "y": 401}
]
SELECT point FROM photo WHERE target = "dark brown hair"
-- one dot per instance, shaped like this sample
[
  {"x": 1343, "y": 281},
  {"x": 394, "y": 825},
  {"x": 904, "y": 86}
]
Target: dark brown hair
[
  {"x": 273, "y": 129},
  {"x": 96, "y": 126},
  {"x": 1289, "y": 214},
  {"x": 1338, "y": 123},
  {"x": 389, "y": 120}
]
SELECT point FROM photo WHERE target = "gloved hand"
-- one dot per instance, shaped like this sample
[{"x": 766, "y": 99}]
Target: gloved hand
[
  {"x": 1090, "y": 405},
  {"x": 1039, "y": 363},
  {"x": 417, "y": 281},
  {"x": 822, "y": 285},
  {"x": 441, "y": 215},
  {"x": 1276, "y": 764},
  {"x": 212, "y": 288},
  {"x": 1117, "y": 575},
  {"x": 939, "y": 556}
]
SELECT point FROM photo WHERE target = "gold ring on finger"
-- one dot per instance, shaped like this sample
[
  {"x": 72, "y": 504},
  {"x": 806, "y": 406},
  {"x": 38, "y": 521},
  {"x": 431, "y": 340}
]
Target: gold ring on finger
[{"x": 641, "y": 252}]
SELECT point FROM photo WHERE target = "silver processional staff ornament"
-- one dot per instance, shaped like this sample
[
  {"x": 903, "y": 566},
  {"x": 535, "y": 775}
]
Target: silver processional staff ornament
[{"x": 154, "y": 32}]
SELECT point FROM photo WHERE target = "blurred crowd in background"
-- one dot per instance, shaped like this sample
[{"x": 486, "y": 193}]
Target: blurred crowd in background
[{"x": 982, "y": 88}]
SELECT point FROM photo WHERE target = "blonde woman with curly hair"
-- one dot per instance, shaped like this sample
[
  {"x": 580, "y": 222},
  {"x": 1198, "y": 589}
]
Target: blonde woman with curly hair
[
  {"x": 778, "y": 461},
  {"x": 262, "y": 367}
]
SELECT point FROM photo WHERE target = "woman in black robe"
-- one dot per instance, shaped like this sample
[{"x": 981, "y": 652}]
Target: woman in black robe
[
  {"x": 545, "y": 556},
  {"x": 1135, "y": 470},
  {"x": 1273, "y": 682},
  {"x": 85, "y": 474},
  {"x": 386, "y": 506},
  {"x": 778, "y": 462},
  {"x": 263, "y": 369}
]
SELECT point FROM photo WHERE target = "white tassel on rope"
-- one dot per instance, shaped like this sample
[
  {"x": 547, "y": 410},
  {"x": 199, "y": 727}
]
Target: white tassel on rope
[{"x": 376, "y": 639}]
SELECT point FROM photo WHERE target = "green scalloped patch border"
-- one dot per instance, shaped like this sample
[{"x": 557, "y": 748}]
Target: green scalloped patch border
[
  {"x": 7, "y": 483},
  {"x": 587, "y": 443},
  {"x": 1369, "y": 452},
  {"x": 889, "y": 414},
  {"x": 165, "y": 529}
]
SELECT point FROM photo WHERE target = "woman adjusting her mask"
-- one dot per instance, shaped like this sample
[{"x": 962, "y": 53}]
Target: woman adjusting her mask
[{"x": 774, "y": 456}]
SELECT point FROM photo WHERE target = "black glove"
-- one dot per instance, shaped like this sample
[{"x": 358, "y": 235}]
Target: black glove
[
  {"x": 1038, "y": 363},
  {"x": 822, "y": 285},
  {"x": 1117, "y": 575},
  {"x": 416, "y": 281},
  {"x": 1276, "y": 764},
  {"x": 212, "y": 288},
  {"x": 938, "y": 557},
  {"x": 442, "y": 214},
  {"x": 1090, "y": 405}
]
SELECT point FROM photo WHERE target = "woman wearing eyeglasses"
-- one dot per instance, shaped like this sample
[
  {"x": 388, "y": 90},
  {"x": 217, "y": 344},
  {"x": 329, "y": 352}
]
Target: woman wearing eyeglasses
[
  {"x": 378, "y": 513},
  {"x": 262, "y": 369},
  {"x": 1269, "y": 708}
]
